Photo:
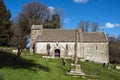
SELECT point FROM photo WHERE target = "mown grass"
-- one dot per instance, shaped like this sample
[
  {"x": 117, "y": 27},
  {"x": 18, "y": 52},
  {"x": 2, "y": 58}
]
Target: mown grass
[{"x": 34, "y": 67}]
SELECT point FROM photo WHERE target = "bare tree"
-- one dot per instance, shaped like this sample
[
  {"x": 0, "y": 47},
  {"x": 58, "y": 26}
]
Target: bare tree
[
  {"x": 118, "y": 37},
  {"x": 95, "y": 27},
  {"x": 18, "y": 37},
  {"x": 32, "y": 13},
  {"x": 81, "y": 25},
  {"x": 87, "y": 26},
  {"x": 36, "y": 12},
  {"x": 60, "y": 12},
  {"x": 84, "y": 25}
]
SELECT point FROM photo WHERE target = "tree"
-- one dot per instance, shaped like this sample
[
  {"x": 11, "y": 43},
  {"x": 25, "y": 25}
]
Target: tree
[
  {"x": 84, "y": 25},
  {"x": 59, "y": 12},
  {"x": 95, "y": 27},
  {"x": 111, "y": 38},
  {"x": 35, "y": 13},
  {"x": 47, "y": 23},
  {"x": 5, "y": 25},
  {"x": 32, "y": 13},
  {"x": 118, "y": 37},
  {"x": 56, "y": 21},
  {"x": 18, "y": 36},
  {"x": 38, "y": 13},
  {"x": 53, "y": 22},
  {"x": 114, "y": 49}
]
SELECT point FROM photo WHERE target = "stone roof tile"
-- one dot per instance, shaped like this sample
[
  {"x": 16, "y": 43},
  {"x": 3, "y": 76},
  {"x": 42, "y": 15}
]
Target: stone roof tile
[
  {"x": 94, "y": 37},
  {"x": 57, "y": 35},
  {"x": 54, "y": 35}
]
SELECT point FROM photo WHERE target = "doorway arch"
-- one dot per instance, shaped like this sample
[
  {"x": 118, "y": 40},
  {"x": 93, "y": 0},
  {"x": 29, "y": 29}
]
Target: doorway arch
[{"x": 57, "y": 53}]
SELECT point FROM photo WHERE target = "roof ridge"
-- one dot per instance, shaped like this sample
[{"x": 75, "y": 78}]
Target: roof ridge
[
  {"x": 61, "y": 29},
  {"x": 93, "y": 32}
]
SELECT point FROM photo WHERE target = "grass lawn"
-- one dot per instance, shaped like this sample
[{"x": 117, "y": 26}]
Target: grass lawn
[{"x": 34, "y": 67}]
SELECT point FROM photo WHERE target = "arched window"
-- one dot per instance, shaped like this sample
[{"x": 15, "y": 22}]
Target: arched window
[
  {"x": 66, "y": 49},
  {"x": 48, "y": 49},
  {"x": 96, "y": 47},
  {"x": 48, "y": 46},
  {"x": 66, "y": 46}
]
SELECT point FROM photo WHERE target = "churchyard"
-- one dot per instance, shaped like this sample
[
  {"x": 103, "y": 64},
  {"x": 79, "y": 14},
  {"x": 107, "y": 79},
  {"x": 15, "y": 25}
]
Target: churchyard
[{"x": 34, "y": 67}]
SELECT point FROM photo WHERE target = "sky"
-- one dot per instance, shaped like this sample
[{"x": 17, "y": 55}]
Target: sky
[{"x": 104, "y": 12}]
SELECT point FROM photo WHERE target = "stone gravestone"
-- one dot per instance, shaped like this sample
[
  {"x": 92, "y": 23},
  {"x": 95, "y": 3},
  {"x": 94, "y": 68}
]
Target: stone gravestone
[{"x": 75, "y": 67}]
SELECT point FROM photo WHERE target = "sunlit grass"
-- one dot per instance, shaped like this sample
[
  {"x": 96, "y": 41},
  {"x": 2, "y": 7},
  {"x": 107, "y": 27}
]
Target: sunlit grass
[{"x": 34, "y": 67}]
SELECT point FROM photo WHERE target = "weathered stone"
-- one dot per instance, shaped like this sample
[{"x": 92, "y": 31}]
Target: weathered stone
[
  {"x": 14, "y": 51},
  {"x": 75, "y": 70},
  {"x": 35, "y": 31},
  {"x": 118, "y": 67},
  {"x": 88, "y": 49}
]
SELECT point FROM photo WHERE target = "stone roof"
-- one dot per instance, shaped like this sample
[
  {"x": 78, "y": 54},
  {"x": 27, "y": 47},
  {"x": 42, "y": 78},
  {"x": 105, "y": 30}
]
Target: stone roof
[
  {"x": 57, "y": 35},
  {"x": 94, "y": 37},
  {"x": 60, "y": 35}
]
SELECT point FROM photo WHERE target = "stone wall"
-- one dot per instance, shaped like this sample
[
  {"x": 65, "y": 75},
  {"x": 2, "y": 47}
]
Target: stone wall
[
  {"x": 97, "y": 52},
  {"x": 42, "y": 48},
  {"x": 35, "y": 31}
]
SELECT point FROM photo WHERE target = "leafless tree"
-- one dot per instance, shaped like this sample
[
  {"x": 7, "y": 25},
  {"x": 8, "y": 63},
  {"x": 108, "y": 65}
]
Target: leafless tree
[
  {"x": 118, "y": 37},
  {"x": 36, "y": 12},
  {"x": 32, "y": 13},
  {"x": 84, "y": 25},
  {"x": 19, "y": 37},
  {"x": 60, "y": 12},
  {"x": 95, "y": 27}
]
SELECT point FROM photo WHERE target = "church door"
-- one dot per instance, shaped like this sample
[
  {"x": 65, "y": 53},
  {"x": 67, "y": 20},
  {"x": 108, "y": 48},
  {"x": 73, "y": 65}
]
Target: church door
[{"x": 57, "y": 53}]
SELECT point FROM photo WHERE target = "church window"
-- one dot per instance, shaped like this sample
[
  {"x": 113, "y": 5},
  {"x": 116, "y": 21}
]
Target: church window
[
  {"x": 48, "y": 49},
  {"x": 96, "y": 47},
  {"x": 48, "y": 46},
  {"x": 66, "y": 46}
]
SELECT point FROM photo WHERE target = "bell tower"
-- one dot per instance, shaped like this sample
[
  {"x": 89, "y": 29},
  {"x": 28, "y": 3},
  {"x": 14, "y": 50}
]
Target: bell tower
[{"x": 35, "y": 31}]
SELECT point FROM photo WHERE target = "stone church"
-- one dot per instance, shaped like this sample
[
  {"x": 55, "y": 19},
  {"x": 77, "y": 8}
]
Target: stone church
[{"x": 60, "y": 43}]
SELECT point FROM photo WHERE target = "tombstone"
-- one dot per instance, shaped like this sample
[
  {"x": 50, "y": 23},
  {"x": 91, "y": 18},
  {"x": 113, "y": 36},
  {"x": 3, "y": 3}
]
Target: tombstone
[
  {"x": 103, "y": 64},
  {"x": 63, "y": 61},
  {"x": 118, "y": 66}
]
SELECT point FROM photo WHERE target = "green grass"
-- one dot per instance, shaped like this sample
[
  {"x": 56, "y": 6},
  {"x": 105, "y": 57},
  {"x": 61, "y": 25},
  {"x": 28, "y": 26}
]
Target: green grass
[{"x": 34, "y": 67}]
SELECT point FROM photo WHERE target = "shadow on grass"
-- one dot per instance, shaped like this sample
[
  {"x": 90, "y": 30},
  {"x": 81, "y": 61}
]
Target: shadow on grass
[{"x": 10, "y": 60}]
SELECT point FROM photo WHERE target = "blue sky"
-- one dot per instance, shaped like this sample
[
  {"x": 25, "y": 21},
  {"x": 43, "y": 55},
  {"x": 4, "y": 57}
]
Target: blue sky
[{"x": 104, "y": 12}]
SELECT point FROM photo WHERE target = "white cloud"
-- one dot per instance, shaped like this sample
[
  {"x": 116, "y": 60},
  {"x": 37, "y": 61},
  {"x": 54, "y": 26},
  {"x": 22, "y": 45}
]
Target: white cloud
[
  {"x": 111, "y": 25},
  {"x": 81, "y": 1},
  {"x": 52, "y": 9}
]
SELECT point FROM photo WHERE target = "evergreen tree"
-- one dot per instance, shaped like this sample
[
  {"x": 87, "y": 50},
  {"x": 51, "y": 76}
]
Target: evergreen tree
[
  {"x": 53, "y": 22},
  {"x": 47, "y": 23},
  {"x": 5, "y": 25},
  {"x": 56, "y": 21}
]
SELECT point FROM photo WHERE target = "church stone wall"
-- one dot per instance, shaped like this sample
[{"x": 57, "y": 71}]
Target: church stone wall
[
  {"x": 34, "y": 33},
  {"x": 41, "y": 48},
  {"x": 97, "y": 52}
]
